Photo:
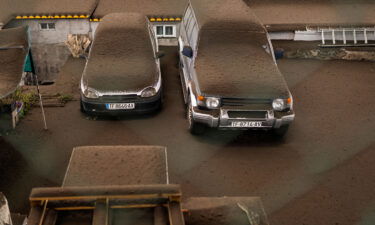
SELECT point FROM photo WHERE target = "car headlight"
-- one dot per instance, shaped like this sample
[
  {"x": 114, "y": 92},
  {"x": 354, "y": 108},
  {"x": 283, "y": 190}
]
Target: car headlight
[
  {"x": 148, "y": 92},
  {"x": 282, "y": 104},
  {"x": 212, "y": 103},
  {"x": 90, "y": 93}
]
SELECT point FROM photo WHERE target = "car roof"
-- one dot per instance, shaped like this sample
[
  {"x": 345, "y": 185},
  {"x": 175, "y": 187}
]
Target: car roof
[
  {"x": 225, "y": 15},
  {"x": 121, "y": 57}
]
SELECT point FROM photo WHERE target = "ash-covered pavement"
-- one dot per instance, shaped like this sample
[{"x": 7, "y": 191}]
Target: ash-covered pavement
[{"x": 322, "y": 173}]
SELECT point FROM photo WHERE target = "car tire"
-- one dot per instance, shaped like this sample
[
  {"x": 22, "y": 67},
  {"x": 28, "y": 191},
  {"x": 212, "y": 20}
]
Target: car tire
[
  {"x": 281, "y": 131},
  {"x": 194, "y": 127}
]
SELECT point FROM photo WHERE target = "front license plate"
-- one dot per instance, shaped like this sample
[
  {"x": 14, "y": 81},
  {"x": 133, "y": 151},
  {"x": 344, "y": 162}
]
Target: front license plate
[
  {"x": 246, "y": 124},
  {"x": 116, "y": 106}
]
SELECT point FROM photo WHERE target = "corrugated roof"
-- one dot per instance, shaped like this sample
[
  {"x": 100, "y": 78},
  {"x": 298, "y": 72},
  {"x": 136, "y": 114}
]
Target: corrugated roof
[
  {"x": 13, "y": 50},
  {"x": 11, "y": 8},
  {"x": 146, "y": 7},
  {"x": 291, "y": 14},
  {"x": 225, "y": 14}
]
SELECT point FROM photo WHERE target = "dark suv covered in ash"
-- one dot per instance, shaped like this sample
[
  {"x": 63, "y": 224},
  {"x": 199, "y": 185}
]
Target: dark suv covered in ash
[
  {"x": 122, "y": 73},
  {"x": 229, "y": 75}
]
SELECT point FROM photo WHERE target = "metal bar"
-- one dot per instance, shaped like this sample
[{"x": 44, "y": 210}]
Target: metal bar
[
  {"x": 160, "y": 216},
  {"x": 344, "y": 36},
  {"x": 175, "y": 214},
  {"x": 323, "y": 41},
  {"x": 347, "y": 45},
  {"x": 100, "y": 213},
  {"x": 355, "y": 36},
  {"x": 107, "y": 211},
  {"x": 333, "y": 36},
  {"x": 145, "y": 196},
  {"x": 365, "y": 34},
  {"x": 43, "y": 213},
  {"x": 134, "y": 206},
  {"x": 74, "y": 208},
  {"x": 41, "y": 102}
]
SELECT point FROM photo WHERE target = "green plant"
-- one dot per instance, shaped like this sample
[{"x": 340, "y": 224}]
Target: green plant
[
  {"x": 64, "y": 98},
  {"x": 28, "y": 99}
]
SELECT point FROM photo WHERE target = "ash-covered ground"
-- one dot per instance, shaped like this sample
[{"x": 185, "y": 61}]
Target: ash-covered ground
[{"x": 322, "y": 173}]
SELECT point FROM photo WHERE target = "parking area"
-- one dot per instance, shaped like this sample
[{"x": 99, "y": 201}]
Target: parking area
[{"x": 322, "y": 173}]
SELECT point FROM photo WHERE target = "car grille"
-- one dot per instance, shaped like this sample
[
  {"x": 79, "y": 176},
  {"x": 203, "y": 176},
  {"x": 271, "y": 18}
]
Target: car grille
[
  {"x": 118, "y": 98},
  {"x": 248, "y": 114},
  {"x": 243, "y": 101}
]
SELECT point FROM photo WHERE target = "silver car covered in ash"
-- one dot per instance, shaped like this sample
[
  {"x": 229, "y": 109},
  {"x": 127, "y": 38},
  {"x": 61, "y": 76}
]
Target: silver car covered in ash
[
  {"x": 122, "y": 73},
  {"x": 229, "y": 75}
]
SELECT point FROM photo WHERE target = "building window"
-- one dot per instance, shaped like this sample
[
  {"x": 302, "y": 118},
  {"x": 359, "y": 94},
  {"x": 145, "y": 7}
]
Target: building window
[
  {"x": 159, "y": 30},
  {"x": 165, "y": 30},
  {"x": 168, "y": 30},
  {"x": 47, "y": 26}
]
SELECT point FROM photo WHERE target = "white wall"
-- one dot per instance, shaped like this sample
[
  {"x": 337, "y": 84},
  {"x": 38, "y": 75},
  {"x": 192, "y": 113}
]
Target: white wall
[{"x": 59, "y": 34}]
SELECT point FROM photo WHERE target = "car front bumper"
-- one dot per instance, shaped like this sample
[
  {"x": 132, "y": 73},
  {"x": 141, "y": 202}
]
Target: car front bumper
[
  {"x": 220, "y": 118},
  {"x": 142, "y": 105}
]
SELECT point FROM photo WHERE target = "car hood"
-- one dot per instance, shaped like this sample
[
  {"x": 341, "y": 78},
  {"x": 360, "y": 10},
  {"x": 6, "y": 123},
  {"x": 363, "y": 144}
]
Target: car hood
[
  {"x": 238, "y": 66},
  {"x": 119, "y": 75}
]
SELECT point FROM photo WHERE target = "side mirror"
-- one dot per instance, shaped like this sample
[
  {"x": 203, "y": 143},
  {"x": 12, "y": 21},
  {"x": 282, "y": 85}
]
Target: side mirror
[
  {"x": 187, "y": 51},
  {"x": 160, "y": 54}
]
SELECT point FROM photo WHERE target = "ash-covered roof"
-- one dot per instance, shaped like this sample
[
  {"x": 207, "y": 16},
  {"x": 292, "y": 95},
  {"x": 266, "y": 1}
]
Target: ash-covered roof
[
  {"x": 117, "y": 165},
  {"x": 13, "y": 50},
  {"x": 291, "y": 14},
  {"x": 121, "y": 58},
  {"x": 146, "y": 7},
  {"x": 11, "y": 8},
  {"x": 225, "y": 14}
]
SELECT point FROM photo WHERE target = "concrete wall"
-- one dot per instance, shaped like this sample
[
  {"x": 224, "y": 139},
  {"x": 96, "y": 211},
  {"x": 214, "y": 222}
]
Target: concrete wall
[
  {"x": 48, "y": 60},
  {"x": 56, "y": 36},
  {"x": 166, "y": 41},
  {"x": 48, "y": 46}
]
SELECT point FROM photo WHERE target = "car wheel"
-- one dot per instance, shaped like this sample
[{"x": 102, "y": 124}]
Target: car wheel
[
  {"x": 281, "y": 132},
  {"x": 194, "y": 127}
]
